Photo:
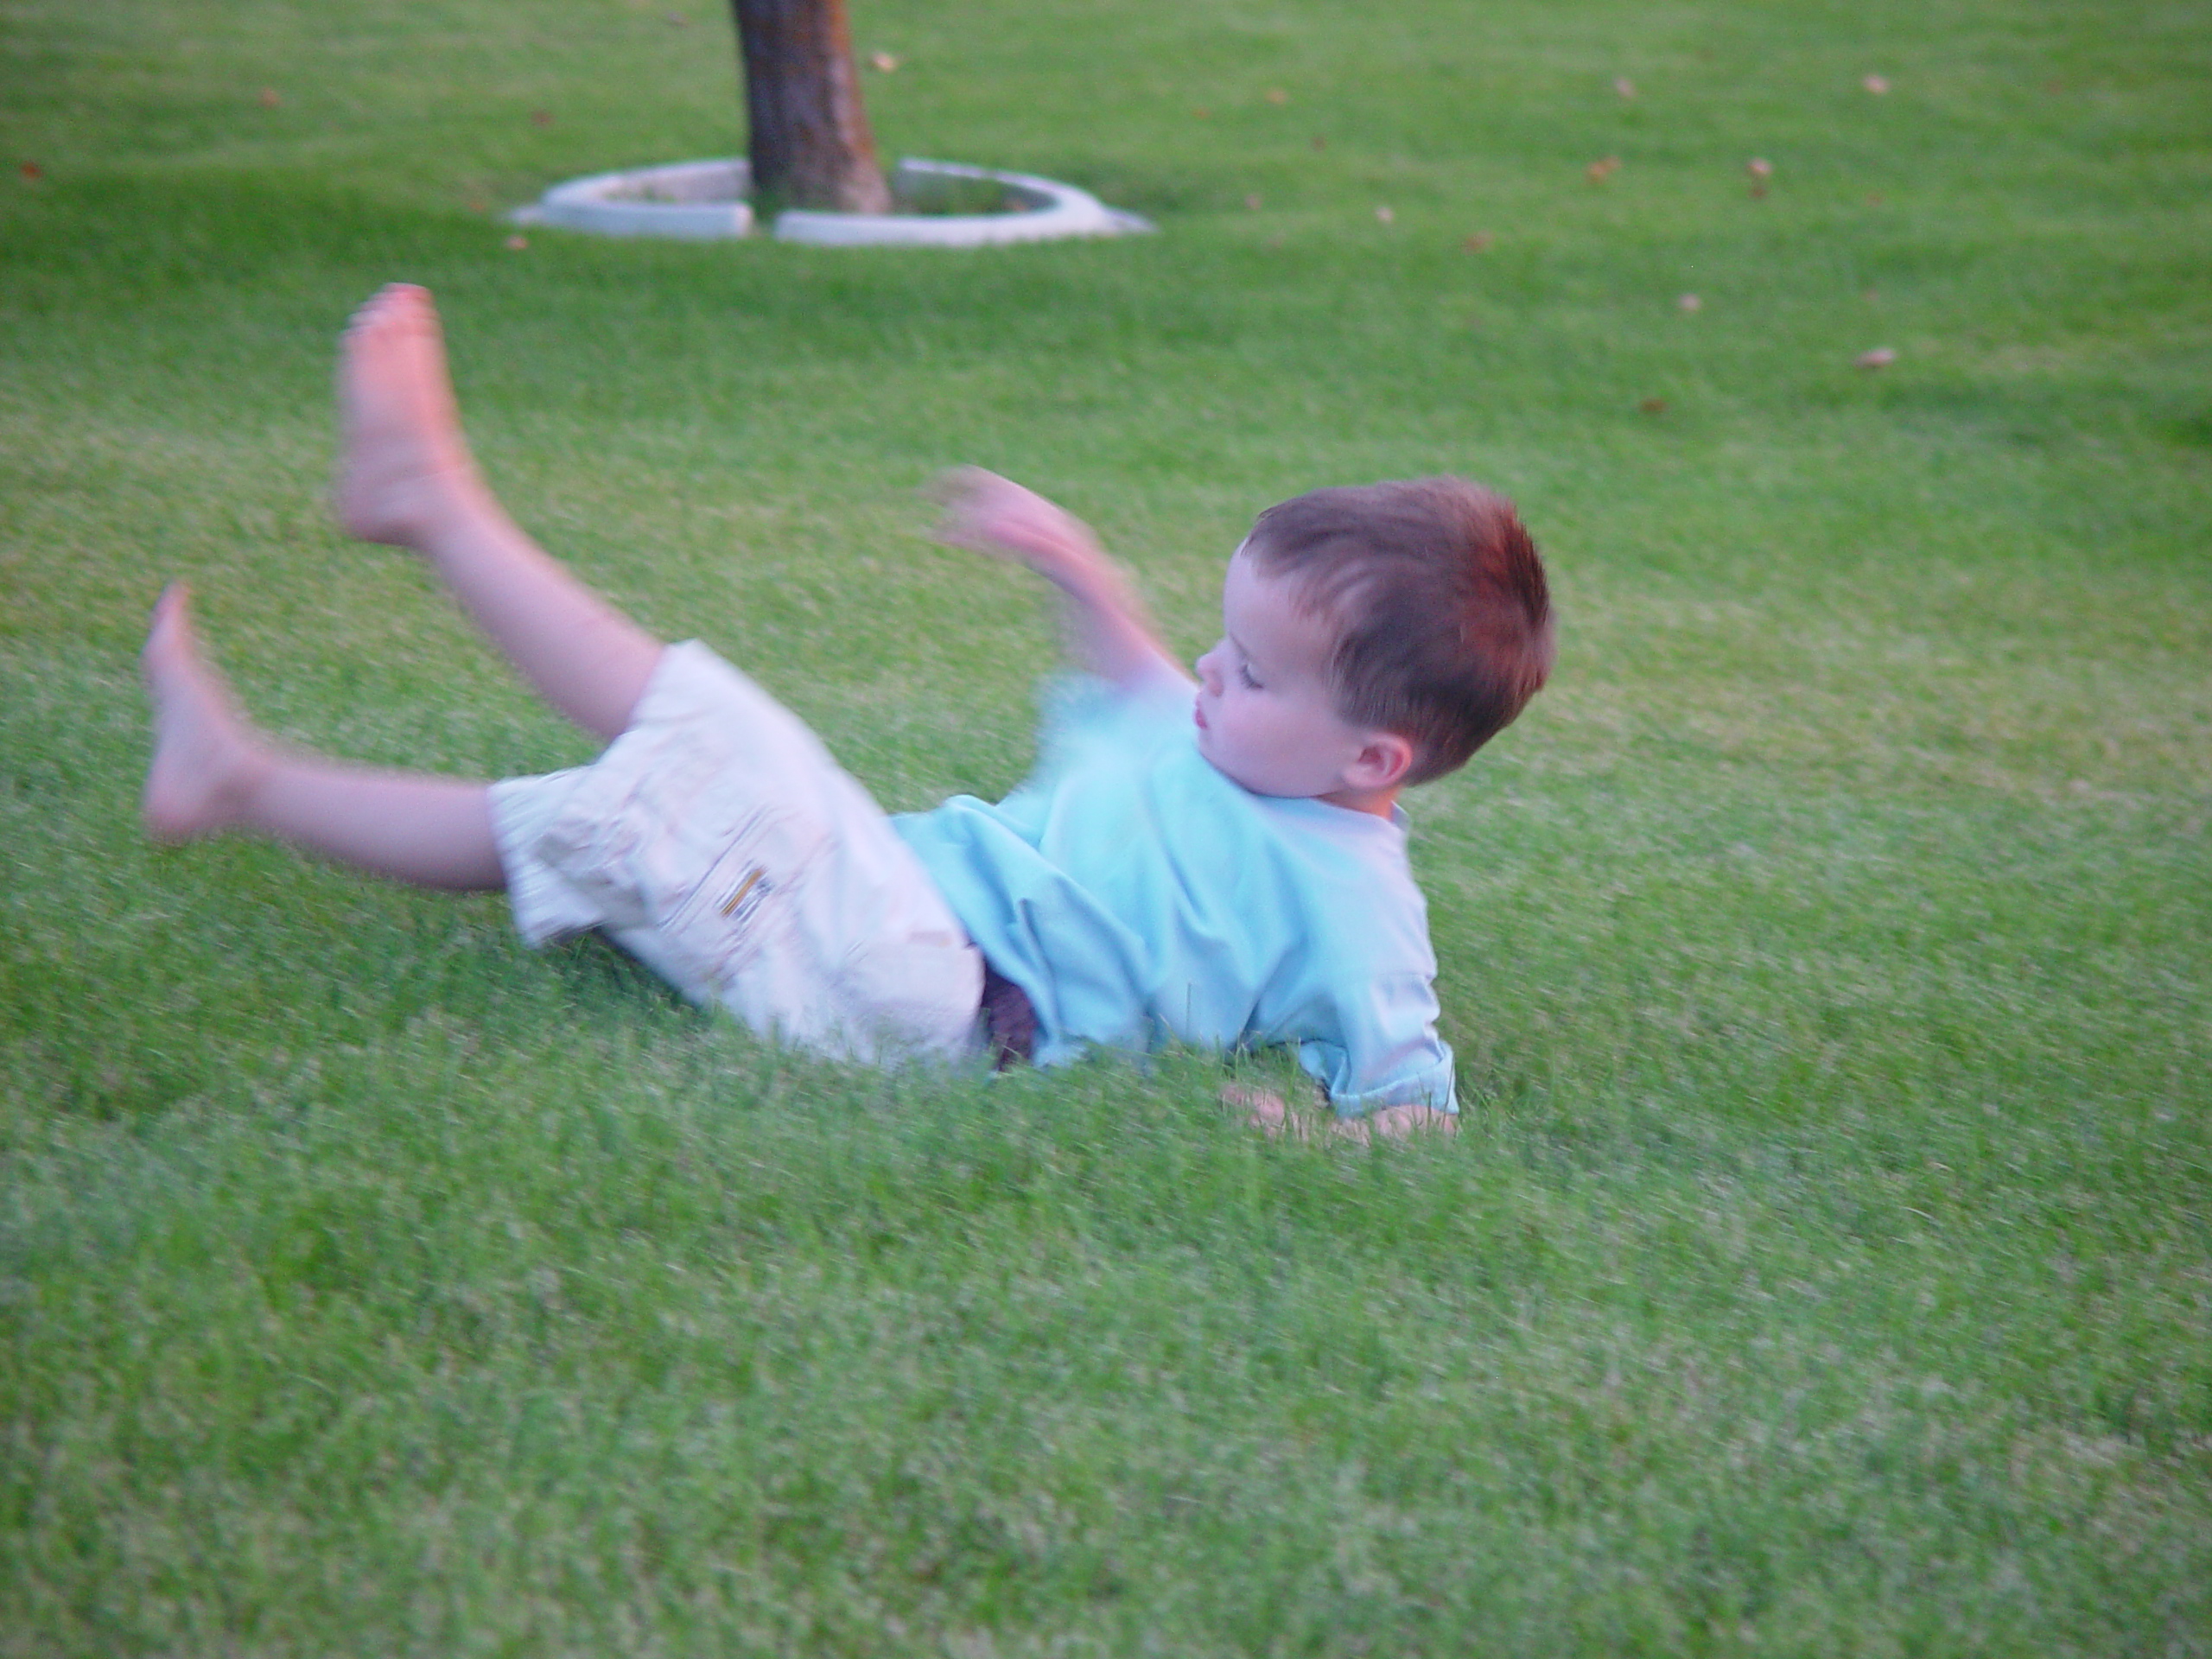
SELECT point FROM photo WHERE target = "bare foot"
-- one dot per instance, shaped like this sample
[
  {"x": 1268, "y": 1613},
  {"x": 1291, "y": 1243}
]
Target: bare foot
[
  {"x": 404, "y": 455},
  {"x": 205, "y": 757}
]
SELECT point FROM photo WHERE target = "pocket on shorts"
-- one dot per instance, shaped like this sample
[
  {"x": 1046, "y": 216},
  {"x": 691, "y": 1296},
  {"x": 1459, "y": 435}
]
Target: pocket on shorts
[{"x": 721, "y": 920}]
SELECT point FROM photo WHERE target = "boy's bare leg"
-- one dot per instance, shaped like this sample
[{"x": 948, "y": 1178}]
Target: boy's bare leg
[
  {"x": 408, "y": 479},
  {"x": 212, "y": 772}
]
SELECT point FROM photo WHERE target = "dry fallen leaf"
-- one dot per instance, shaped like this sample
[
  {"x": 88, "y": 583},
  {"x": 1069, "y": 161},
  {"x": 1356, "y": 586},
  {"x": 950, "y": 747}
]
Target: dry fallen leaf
[
  {"x": 1599, "y": 171},
  {"x": 1880, "y": 357},
  {"x": 1689, "y": 302},
  {"x": 33, "y": 170},
  {"x": 1653, "y": 406},
  {"x": 1385, "y": 215},
  {"x": 884, "y": 61},
  {"x": 677, "y": 19},
  {"x": 541, "y": 118},
  {"x": 1276, "y": 241},
  {"x": 516, "y": 243},
  {"x": 1276, "y": 95},
  {"x": 1875, "y": 85},
  {"x": 1203, "y": 114},
  {"x": 1319, "y": 143},
  {"x": 1759, "y": 167},
  {"x": 269, "y": 99},
  {"x": 1873, "y": 198},
  {"x": 1253, "y": 201},
  {"x": 1478, "y": 242},
  {"x": 1625, "y": 86}
]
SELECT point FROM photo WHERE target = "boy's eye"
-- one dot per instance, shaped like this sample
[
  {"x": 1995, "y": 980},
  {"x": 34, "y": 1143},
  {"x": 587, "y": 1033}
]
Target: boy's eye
[{"x": 1244, "y": 673}]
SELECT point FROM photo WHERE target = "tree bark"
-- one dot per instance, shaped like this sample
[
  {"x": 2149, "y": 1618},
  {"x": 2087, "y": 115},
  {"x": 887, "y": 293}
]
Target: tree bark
[{"x": 809, "y": 146}]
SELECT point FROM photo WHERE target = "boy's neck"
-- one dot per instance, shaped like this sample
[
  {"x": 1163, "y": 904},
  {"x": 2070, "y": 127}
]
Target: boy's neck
[{"x": 1379, "y": 803}]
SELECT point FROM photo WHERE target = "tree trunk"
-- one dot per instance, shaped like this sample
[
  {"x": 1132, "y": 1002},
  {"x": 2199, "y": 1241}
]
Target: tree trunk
[{"x": 810, "y": 145}]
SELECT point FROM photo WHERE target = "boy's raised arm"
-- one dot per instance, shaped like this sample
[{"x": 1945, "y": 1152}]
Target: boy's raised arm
[{"x": 1107, "y": 623}]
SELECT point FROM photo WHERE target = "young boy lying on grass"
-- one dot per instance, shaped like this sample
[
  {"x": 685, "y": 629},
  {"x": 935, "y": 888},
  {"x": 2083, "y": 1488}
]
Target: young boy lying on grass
[{"x": 1222, "y": 864}]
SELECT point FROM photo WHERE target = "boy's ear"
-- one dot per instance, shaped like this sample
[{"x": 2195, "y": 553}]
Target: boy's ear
[{"x": 1382, "y": 762}]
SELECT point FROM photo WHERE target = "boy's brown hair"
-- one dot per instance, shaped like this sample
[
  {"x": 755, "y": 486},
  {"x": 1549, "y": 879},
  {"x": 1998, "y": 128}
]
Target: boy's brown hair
[{"x": 1443, "y": 618}]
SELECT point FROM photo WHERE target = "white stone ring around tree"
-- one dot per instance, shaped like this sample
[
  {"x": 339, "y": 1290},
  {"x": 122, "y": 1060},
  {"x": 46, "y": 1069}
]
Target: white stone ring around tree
[{"x": 710, "y": 199}]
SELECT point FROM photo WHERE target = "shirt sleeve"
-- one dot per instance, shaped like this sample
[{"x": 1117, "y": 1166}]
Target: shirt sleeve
[
  {"x": 1389, "y": 1054},
  {"x": 1430, "y": 1085}
]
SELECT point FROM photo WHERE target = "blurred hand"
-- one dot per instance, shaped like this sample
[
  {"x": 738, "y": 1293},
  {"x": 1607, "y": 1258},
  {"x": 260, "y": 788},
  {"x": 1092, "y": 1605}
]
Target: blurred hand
[{"x": 996, "y": 516}]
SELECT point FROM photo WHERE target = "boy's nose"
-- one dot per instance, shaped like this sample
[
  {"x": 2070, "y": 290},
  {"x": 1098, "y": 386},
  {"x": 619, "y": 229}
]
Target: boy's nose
[{"x": 1210, "y": 670}]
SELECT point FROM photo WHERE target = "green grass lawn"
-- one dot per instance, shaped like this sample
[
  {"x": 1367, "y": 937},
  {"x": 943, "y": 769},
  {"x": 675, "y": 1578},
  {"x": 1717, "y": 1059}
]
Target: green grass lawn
[{"x": 1825, "y": 1267}]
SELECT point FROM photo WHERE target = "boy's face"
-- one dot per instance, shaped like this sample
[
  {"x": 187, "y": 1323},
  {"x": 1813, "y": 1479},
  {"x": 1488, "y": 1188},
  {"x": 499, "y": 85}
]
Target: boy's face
[{"x": 1267, "y": 713}]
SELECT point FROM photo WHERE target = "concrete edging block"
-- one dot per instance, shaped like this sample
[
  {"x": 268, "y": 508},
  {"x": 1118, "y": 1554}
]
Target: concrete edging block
[
  {"x": 700, "y": 201},
  {"x": 707, "y": 200}
]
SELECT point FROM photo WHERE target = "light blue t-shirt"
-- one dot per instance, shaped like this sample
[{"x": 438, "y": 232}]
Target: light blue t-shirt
[{"x": 1139, "y": 897}]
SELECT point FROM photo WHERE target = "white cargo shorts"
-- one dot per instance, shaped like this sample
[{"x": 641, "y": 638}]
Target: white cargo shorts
[{"x": 717, "y": 842}]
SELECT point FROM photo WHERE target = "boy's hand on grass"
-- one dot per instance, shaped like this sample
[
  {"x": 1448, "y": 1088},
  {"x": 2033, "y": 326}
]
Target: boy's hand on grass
[
  {"x": 1400, "y": 1122},
  {"x": 996, "y": 516},
  {"x": 1264, "y": 1109},
  {"x": 1270, "y": 1113}
]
